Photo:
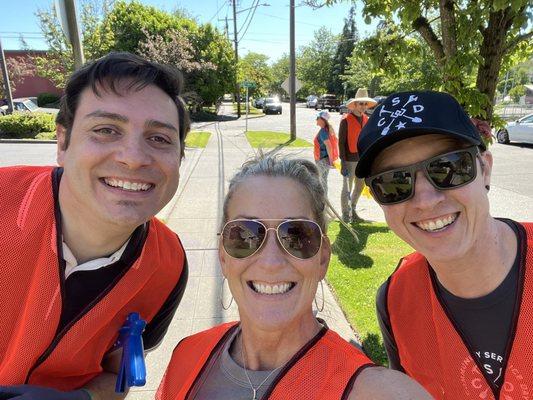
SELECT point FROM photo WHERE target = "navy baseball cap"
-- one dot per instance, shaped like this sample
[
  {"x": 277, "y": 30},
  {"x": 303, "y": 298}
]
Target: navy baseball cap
[{"x": 408, "y": 114}]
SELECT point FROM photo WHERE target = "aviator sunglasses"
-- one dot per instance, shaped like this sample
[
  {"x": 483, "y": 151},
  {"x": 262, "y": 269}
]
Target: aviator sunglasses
[
  {"x": 242, "y": 238},
  {"x": 446, "y": 171}
]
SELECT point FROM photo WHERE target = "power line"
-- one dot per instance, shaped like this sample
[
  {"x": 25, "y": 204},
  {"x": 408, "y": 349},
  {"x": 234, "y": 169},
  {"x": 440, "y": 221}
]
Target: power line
[
  {"x": 249, "y": 22},
  {"x": 286, "y": 19},
  {"x": 216, "y": 14}
]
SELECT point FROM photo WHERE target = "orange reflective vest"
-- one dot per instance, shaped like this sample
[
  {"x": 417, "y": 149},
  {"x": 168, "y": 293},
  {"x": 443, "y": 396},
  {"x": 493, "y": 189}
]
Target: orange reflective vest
[
  {"x": 324, "y": 369},
  {"x": 334, "y": 146},
  {"x": 431, "y": 349},
  {"x": 354, "y": 129},
  {"x": 32, "y": 284}
]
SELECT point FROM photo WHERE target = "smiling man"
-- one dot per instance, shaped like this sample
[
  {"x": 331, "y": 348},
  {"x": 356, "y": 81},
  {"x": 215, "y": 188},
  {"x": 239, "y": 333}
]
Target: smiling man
[
  {"x": 81, "y": 248},
  {"x": 456, "y": 315}
]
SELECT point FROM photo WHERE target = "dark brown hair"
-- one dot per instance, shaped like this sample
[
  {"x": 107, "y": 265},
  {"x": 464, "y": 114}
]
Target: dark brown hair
[{"x": 108, "y": 72}]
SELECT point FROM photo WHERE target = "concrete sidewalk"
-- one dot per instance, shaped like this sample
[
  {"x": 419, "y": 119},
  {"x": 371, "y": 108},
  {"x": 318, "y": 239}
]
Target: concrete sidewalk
[{"x": 195, "y": 214}]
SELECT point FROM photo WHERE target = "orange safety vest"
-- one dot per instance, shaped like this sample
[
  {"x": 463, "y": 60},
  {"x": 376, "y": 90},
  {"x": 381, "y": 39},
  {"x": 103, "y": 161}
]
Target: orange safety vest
[
  {"x": 354, "y": 129},
  {"x": 334, "y": 144},
  {"x": 324, "y": 369},
  {"x": 431, "y": 349},
  {"x": 32, "y": 284}
]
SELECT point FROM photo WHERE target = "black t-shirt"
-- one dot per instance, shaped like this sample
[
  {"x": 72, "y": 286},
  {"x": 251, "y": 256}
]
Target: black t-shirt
[
  {"x": 83, "y": 289},
  {"x": 484, "y": 323}
]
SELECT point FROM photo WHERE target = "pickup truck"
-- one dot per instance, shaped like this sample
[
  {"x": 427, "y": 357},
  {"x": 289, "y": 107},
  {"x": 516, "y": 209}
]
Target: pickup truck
[{"x": 328, "y": 101}]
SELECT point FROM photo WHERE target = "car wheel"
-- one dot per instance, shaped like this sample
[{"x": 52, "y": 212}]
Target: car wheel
[
  {"x": 502, "y": 136},
  {"x": 279, "y": 112},
  {"x": 316, "y": 107}
]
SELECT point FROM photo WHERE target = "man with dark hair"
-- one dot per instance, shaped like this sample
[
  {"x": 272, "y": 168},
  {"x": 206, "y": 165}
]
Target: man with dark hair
[
  {"x": 456, "y": 315},
  {"x": 81, "y": 248}
]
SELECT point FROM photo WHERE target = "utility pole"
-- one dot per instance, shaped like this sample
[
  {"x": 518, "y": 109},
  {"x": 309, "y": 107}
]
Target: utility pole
[
  {"x": 73, "y": 31},
  {"x": 7, "y": 85},
  {"x": 237, "y": 90},
  {"x": 292, "y": 75},
  {"x": 227, "y": 29}
]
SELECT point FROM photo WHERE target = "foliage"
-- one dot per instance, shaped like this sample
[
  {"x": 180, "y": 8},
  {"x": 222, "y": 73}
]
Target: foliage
[
  {"x": 315, "y": 61},
  {"x": 46, "y": 98},
  {"x": 356, "y": 270},
  {"x": 470, "y": 41},
  {"x": 269, "y": 139},
  {"x": 345, "y": 47},
  {"x": 21, "y": 125},
  {"x": 197, "y": 139},
  {"x": 17, "y": 69},
  {"x": 253, "y": 67},
  {"x": 517, "y": 92},
  {"x": 97, "y": 40},
  {"x": 514, "y": 76},
  {"x": 279, "y": 71}
]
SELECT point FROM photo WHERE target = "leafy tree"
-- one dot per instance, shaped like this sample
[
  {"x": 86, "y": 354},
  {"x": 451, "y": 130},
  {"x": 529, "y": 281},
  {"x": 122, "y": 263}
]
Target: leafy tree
[
  {"x": 345, "y": 47},
  {"x": 97, "y": 40},
  {"x": 517, "y": 92},
  {"x": 279, "y": 71},
  {"x": 254, "y": 67},
  {"x": 469, "y": 40},
  {"x": 17, "y": 69},
  {"x": 315, "y": 61}
]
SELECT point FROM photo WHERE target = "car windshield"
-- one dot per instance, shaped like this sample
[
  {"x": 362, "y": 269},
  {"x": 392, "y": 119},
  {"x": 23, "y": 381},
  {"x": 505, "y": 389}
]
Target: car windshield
[
  {"x": 270, "y": 100},
  {"x": 30, "y": 105}
]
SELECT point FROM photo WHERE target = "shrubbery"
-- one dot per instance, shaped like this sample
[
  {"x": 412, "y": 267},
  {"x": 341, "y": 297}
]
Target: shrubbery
[
  {"x": 26, "y": 125},
  {"x": 47, "y": 98}
]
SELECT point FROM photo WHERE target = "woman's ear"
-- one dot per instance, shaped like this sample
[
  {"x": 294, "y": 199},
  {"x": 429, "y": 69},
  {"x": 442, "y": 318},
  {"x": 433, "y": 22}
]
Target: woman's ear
[
  {"x": 486, "y": 161},
  {"x": 325, "y": 256},
  {"x": 222, "y": 258}
]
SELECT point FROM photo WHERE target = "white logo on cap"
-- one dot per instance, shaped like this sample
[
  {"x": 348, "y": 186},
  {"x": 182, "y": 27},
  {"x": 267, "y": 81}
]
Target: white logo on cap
[{"x": 400, "y": 113}]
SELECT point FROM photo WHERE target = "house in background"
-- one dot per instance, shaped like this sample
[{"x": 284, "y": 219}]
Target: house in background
[
  {"x": 32, "y": 85},
  {"x": 529, "y": 94}
]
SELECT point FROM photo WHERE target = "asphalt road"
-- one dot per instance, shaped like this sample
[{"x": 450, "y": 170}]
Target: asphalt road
[{"x": 511, "y": 187}]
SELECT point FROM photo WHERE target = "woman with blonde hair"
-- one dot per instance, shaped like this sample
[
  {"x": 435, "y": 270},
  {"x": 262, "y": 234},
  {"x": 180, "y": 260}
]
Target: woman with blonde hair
[{"x": 274, "y": 254}]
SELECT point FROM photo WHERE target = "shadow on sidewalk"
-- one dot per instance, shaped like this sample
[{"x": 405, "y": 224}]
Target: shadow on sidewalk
[{"x": 349, "y": 251}]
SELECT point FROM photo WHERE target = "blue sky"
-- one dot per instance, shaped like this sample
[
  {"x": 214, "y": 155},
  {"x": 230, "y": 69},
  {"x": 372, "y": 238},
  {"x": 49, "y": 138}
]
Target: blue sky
[{"x": 268, "y": 33}]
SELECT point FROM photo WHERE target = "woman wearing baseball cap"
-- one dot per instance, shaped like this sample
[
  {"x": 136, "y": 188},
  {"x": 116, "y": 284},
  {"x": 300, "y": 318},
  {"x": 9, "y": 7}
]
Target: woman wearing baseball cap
[{"x": 457, "y": 314}]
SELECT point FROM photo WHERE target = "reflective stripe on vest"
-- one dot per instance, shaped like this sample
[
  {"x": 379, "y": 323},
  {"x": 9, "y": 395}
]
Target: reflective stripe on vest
[
  {"x": 433, "y": 352},
  {"x": 354, "y": 129},
  {"x": 31, "y": 290},
  {"x": 323, "y": 371}
]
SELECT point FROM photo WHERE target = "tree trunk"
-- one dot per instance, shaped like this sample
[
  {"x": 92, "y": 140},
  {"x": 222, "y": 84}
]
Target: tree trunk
[{"x": 492, "y": 51}]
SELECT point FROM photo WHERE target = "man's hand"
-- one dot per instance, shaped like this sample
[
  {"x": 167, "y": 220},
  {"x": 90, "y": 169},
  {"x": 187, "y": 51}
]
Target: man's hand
[
  {"x": 31, "y": 392},
  {"x": 344, "y": 168}
]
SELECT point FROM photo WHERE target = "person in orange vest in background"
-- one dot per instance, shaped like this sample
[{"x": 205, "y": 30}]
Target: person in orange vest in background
[
  {"x": 457, "y": 314},
  {"x": 81, "y": 249},
  {"x": 273, "y": 253},
  {"x": 326, "y": 147},
  {"x": 349, "y": 129}
]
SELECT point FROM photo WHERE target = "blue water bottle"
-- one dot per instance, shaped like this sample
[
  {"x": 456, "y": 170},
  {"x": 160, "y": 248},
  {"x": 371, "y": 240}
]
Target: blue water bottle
[{"x": 132, "y": 366}]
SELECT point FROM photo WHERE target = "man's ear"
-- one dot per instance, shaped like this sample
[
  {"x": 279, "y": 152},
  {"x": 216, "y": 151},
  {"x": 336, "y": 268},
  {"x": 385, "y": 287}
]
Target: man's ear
[{"x": 61, "y": 134}]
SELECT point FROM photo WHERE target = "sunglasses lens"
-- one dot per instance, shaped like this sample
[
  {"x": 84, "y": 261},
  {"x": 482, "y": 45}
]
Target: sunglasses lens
[
  {"x": 242, "y": 238},
  {"x": 302, "y": 239},
  {"x": 452, "y": 170},
  {"x": 392, "y": 187}
]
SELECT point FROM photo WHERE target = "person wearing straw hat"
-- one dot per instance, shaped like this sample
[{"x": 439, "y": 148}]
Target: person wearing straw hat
[{"x": 349, "y": 129}]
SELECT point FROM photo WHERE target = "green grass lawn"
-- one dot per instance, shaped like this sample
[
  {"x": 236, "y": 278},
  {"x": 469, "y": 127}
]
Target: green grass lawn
[
  {"x": 197, "y": 139},
  {"x": 265, "y": 139},
  {"x": 252, "y": 110},
  {"x": 357, "y": 270}
]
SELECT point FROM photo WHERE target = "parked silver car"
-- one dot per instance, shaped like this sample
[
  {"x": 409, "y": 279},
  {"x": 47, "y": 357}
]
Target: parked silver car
[
  {"x": 520, "y": 130},
  {"x": 26, "y": 105},
  {"x": 311, "y": 101}
]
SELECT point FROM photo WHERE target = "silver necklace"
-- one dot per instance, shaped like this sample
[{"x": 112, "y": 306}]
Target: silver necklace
[{"x": 246, "y": 372}]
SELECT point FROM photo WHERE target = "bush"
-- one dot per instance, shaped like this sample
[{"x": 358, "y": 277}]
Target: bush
[
  {"x": 25, "y": 125},
  {"x": 47, "y": 98}
]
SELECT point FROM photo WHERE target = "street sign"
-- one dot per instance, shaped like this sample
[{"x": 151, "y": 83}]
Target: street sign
[
  {"x": 248, "y": 84},
  {"x": 297, "y": 85}
]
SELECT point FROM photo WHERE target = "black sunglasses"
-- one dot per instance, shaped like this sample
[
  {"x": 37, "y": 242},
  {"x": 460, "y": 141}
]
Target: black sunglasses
[
  {"x": 446, "y": 171},
  {"x": 242, "y": 238}
]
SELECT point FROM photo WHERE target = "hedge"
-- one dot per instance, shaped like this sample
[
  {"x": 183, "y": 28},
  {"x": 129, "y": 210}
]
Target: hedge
[
  {"x": 47, "y": 98},
  {"x": 24, "y": 125}
]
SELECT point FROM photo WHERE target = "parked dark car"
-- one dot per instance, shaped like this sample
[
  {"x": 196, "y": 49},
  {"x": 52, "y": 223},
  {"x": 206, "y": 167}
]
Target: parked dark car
[
  {"x": 329, "y": 102},
  {"x": 272, "y": 106}
]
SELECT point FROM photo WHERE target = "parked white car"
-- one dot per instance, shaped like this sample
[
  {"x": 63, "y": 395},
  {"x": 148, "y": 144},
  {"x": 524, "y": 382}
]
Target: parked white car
[
  {"x": 26, "y": 105},
  {"x": 520, "y": 130},
  {"x": 311, "y": 101}
]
